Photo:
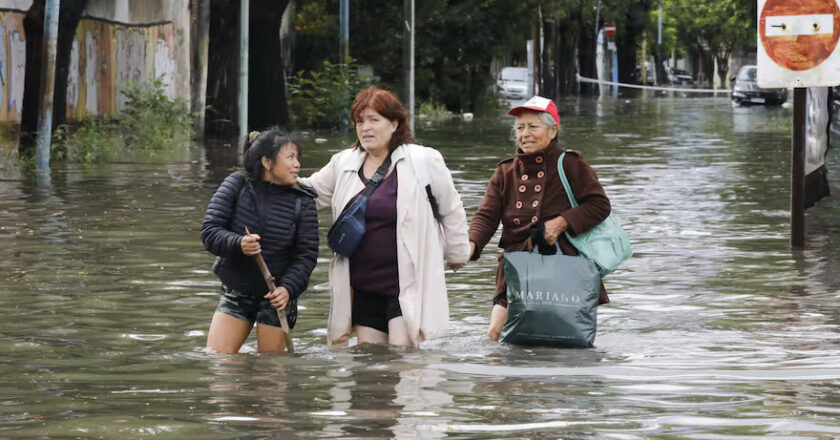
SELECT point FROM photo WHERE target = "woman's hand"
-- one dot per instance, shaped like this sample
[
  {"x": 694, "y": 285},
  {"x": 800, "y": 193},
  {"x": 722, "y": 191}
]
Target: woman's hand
[
  {"x": 456, "y": 266},
  {"x": 553, "y": 229},
  {"x": 278, "y": 298},
  {"x": 251, "y": 245},
  {"x": 497, "y": 320}
]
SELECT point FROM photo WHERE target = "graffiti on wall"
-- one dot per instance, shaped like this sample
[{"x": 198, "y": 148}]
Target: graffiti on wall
[
  {"x": 105, "y": 55},
  {"x": 12, "y": 66}
]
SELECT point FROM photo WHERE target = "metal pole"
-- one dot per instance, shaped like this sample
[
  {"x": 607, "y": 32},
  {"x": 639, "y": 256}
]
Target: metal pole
[
  {"x": 797, "y": 170},
  {"x": 408, "y": 59},
  {"x": 244, "y": 14},
  {"x": 615, "y": 71},
  {"x": 42, "y": 147},
  {"x": 529, "y": 50},
  {"x": 344, "y": 32},
  {"x": 202, "y": 44},
  {"x": 597, "y": 18}
]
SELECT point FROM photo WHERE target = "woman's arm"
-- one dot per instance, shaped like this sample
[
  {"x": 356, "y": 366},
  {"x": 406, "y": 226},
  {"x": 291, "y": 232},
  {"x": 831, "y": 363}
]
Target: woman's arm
[
  {"x": 453, "y": 218},
  {"x": 214, "y": 233},
  {"x": 323, "y": 182},
  {"x": 486, "y": 219},
  {"x": 305, "y": 252}
]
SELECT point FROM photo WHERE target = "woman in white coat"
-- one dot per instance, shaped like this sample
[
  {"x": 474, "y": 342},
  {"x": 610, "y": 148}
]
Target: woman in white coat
[{"x": 392, "y": 289}]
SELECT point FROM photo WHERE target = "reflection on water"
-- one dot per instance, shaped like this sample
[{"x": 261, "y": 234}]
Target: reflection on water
[{"x": 717, "y": 329}]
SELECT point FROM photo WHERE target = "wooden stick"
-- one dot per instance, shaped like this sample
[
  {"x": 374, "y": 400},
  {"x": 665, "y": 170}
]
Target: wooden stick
[{"x": 281, "y": 313}]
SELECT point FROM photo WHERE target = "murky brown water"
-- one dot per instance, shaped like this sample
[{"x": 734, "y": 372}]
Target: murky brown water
[{"x": 717, "y": 330}]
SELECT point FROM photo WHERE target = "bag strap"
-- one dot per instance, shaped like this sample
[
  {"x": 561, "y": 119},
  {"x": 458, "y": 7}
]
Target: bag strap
[
  {"x": 566, "y": 185},
  {"x": 422, "y": 174},
  {"x": 377, "y": 177}
]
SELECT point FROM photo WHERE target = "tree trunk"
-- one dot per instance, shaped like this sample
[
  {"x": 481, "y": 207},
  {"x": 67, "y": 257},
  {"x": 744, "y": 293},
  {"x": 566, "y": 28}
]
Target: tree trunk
[
  {"x": 223, "y": 78},
  {"x": 267, "y": 92},
  {"x": 723, "y": 69},
  {"x": 586, "y": 59},
  {"x": 68, "y": 21},
  {"x": 33, "y": 26}
]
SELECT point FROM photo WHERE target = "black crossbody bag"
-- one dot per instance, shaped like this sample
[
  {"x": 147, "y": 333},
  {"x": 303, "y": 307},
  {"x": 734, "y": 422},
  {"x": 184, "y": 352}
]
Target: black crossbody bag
[{"x": 347, "y": 232}]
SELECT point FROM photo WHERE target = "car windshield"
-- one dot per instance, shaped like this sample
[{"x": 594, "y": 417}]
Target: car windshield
[
  {"x": 520, "y": 74},
  {"x": 747, "y": 74},
  {"x": 679, "y": 72}
]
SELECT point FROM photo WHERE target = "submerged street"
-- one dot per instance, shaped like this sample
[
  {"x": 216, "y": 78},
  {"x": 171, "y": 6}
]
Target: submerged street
[{"x": 717, "y": 329}]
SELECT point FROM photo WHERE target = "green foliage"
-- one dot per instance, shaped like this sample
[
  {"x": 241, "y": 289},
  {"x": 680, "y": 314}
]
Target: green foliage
[
  {"x": 151, "y": 126},
  {"x": 322, "y": 99},
  {"x": 95, "y": 140},
  {"x": 152, "y": 121},
  {"x": 433, "y": 112}
]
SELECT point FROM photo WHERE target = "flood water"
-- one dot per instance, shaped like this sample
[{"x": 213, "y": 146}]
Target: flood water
[{"x": 716, "y": 330}]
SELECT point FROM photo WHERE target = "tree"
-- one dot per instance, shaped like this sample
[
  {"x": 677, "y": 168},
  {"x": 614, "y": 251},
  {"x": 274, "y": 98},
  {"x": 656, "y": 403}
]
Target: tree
[{"x": 69, "y": 16}]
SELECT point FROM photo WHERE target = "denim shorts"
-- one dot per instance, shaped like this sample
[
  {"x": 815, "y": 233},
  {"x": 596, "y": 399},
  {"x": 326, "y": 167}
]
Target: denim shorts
[{"x": 249, "y": 308}]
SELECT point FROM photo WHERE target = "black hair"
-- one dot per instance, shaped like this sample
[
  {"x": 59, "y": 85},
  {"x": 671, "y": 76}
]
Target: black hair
[{"x": 265, "y": 144}]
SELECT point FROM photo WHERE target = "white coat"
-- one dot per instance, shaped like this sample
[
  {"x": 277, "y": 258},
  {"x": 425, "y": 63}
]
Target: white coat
[{"x": 422, "y": 243}]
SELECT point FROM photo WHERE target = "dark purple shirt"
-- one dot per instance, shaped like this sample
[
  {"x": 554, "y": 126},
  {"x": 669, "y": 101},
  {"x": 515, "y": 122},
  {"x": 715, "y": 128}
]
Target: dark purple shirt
[{"x": 373, "y": 268}]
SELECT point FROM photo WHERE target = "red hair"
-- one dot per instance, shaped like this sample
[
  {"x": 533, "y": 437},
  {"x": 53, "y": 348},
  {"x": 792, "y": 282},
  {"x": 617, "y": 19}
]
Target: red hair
[{"x": 386, "y": 104}]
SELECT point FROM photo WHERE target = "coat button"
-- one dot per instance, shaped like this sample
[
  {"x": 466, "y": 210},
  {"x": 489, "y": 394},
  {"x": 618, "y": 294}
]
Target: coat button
[
  {"x": 524, "y": 177},
  {"x": 534, "y": 219},
  {"x": 539, "y": 159},
  {"x": 518, "y": 204},
  {"x": 522, "y": 188},
  {"x": 516, "y": 221},
  {"x": 540, "y": 175},
  {"x": 538, "y": 188},
  {"x": 536, "y": 203}
]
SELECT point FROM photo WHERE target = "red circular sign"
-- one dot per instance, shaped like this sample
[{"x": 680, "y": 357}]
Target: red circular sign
[{"x": 798, "y": 51}]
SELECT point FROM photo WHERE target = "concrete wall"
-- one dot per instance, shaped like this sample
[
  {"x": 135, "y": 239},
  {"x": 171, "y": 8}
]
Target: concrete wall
[{"x": 116, "y": 41}]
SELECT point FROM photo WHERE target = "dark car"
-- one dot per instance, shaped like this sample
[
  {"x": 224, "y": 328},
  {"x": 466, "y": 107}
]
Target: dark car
[{"x": 745, "y": 89}]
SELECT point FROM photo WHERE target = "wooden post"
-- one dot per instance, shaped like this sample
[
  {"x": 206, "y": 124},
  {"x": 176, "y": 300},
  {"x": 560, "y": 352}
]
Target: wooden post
[
  {"x": 244, "y": 15},
  {"x": 42, "y": 147},
  {"x": 797, "y": 170},
  {"x": 408, "y": 59},
  {"x": 200, "y": 57}
]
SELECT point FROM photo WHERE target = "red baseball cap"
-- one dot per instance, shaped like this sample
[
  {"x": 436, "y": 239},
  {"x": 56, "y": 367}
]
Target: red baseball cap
[{"x": 540, "y": 104}]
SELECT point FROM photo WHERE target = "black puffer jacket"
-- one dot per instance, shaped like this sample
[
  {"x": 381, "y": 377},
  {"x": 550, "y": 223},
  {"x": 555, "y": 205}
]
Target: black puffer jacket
[{"x": 285, "y": 219}]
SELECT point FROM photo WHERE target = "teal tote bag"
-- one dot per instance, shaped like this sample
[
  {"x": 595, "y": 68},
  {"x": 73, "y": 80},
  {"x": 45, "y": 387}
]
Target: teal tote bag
[{"x": 607, "y": 245}]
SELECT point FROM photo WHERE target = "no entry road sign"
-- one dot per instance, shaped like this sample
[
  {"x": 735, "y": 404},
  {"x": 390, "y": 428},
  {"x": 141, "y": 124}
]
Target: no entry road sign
[{"x": 798, "y": 43}]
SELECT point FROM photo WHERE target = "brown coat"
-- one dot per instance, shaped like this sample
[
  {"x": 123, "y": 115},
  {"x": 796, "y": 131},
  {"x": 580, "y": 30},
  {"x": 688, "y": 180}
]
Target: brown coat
[{"x": 527, "y": 189}]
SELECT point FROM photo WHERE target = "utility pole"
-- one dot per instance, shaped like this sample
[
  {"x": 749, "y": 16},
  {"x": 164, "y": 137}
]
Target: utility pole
[
  {"x": 344, "y": 33},
  {"x": 42, "y": 147},
  {"x": 244, "y": 14},
  {"x": 408, "y": 59}
]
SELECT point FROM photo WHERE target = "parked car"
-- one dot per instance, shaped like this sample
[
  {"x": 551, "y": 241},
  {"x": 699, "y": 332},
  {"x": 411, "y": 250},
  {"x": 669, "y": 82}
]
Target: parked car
[
  {"x": 680, "y": 77},
  {"x": 745, "y": 89},
  {"x": 512, "y": 82}
]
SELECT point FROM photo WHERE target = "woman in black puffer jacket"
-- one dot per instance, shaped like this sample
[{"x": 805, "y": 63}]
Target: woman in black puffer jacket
[{"x": 283, "y": 222}]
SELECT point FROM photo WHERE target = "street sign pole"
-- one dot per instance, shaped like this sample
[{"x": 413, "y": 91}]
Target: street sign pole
[{"x": 797, "y": 170}]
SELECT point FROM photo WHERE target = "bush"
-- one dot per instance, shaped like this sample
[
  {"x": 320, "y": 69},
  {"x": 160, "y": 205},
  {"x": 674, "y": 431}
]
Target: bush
[
  {"x": 151, "y": 121},
  {"x": 322, "y": 99},
  {"x": 150, "y": 126},
  {"x": 434, "y": 112}
]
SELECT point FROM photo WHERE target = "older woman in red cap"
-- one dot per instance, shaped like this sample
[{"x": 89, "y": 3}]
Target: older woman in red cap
[{"x": 526, "y": 195}]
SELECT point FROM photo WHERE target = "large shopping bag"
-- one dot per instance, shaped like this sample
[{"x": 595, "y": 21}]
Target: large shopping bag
[{"x": 552, "y": 300}]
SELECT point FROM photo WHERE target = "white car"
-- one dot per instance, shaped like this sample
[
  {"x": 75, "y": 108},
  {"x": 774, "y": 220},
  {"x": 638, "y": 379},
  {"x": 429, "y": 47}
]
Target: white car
[{"x": 512, "y": 82}]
